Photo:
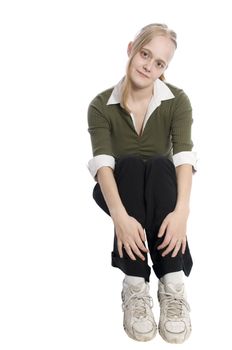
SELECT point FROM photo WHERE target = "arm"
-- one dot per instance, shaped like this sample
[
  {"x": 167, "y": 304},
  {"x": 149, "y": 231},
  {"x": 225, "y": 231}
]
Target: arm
[
  {"x": 130, "y": 233},
  {"x": 110, "y": 193},
  {"x": 184, "y": 185},
  {"x": 174, "y": 225}
]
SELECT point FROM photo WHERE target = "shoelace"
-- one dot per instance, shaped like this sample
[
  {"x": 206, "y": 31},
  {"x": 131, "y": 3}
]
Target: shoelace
[
  {"x": 175, "y": 305},
  {"x": 139, "y": 303}
]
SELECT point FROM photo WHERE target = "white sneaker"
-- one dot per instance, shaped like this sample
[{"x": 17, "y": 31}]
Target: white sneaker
[
  {"x": 174, "y": 323},
  {"x": 138, "y": 321}
]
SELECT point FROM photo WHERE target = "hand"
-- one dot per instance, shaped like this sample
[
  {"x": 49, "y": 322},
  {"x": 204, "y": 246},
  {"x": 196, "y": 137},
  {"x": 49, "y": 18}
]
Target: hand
[
  {"x": 173, "y": 228},
  {"x": 130, "y": 235}
]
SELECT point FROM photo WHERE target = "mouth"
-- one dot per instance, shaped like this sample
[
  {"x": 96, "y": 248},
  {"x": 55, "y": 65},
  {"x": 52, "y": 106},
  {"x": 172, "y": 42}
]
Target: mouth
[{"x": 142, "y": 74}]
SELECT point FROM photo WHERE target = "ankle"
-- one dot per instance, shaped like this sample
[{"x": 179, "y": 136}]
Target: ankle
[
  {"x": 133, "y": 280},
  {"x": 174, "y": 278}
]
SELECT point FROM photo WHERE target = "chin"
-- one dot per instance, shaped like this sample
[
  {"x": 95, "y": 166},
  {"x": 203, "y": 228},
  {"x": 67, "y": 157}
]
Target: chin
[
  {"x": 140, "y": 84},
  {"x": 139, "y": 80}
]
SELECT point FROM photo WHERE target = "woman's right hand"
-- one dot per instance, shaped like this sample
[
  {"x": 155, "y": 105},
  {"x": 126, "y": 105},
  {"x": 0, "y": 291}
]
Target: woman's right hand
[{"x": 130, "y": 235}]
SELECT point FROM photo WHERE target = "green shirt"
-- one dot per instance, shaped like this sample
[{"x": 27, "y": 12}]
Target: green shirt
[{"x": 167, "y": 131}]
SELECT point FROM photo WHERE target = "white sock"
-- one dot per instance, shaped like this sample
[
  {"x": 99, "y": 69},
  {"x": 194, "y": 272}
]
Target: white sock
[
  {"x": 173, "y": 278},
  {"x": 133, "y": 279}
]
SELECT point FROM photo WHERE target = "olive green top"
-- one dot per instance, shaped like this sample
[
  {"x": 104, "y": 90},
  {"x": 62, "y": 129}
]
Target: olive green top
[{"x": 166, "y": 130}]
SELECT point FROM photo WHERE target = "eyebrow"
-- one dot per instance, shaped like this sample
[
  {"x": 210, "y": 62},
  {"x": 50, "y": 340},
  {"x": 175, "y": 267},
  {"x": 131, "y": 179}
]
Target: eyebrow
[{"x": 157, "y": 59}]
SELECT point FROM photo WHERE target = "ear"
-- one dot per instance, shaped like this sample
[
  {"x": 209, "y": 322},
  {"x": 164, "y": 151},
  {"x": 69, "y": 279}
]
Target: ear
[{"x": 129, "y": 48}]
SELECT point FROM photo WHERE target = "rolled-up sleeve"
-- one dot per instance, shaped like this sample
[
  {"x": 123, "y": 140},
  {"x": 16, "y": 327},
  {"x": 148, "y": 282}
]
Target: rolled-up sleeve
[
  {"x": 100, "y": 134},
  {"x": 186, "y": 158},
  {"x": 181, "y": 132},
  {"x": 99, "y": 161}
]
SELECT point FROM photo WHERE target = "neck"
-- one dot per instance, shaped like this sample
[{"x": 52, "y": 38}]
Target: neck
[{"x": 139, "y": 95}]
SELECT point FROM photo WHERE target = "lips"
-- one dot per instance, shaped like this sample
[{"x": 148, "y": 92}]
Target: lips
[{"x": 143, "y": 75}]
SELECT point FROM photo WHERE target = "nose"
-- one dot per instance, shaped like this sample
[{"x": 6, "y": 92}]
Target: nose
[{"x": 147, "y": 67}]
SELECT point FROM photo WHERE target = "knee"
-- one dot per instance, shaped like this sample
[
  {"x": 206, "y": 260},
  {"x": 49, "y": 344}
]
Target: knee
[
  {"x": 161, "y": 162},
  {"x": 130, "y": 161}
]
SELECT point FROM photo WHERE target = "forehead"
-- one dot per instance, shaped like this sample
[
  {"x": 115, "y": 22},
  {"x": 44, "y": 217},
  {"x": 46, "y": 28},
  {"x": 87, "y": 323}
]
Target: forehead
[{"x": 162, "y": 47}]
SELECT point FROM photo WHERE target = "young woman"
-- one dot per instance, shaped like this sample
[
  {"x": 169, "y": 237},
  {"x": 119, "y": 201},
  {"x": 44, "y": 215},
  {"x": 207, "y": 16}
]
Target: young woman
[{"x": 143, "y": 164}]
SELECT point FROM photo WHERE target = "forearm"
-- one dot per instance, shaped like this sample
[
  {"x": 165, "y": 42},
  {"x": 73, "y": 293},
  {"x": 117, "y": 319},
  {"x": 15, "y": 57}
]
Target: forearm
[
  {"x": 184, "y": 185},
  {"x": 129, "y": 232},
  {"x": 106, "y": 180}
]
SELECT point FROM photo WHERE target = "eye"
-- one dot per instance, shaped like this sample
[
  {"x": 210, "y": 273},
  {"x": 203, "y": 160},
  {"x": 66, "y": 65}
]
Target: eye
[
  {"x": 160, "y": 65},
  {"x": 144, "y": 54}
]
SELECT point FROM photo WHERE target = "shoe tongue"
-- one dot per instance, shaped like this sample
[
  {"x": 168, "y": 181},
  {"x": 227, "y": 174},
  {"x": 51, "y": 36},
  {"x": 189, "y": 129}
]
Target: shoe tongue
[
  {"x": 174, "y": 288},
  {"x": 137, "y": 287}
]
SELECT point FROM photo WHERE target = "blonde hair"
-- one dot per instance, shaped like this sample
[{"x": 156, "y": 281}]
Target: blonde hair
[{"x": 145, "y": 35}]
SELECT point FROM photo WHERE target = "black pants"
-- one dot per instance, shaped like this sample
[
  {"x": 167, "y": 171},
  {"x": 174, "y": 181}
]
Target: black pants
[{"x": 148, "y": 190}]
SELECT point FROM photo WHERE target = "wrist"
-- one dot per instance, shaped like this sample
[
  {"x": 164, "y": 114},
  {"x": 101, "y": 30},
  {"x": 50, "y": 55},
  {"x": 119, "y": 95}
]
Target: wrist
[
  {"x": 183, "y": 209},
  {"x": 117, "y": 213}
]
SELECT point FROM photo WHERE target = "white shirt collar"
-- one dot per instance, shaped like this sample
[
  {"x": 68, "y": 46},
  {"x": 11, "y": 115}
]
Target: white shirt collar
[{"x": 162, "y": 93}]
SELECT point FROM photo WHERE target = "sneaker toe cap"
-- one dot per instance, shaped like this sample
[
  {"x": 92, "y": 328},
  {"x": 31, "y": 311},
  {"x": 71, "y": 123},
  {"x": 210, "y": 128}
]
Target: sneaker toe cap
[
  {"x": 145, "y": 326},
  {"x": 175, "y": 327}
]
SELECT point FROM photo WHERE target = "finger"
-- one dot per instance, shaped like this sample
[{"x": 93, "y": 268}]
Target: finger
[
  {"x": 184, "y": 243},
  {"x": 142, "y": 234},
  {"x": 170, "y": 247},
  {"x": 141, "y": 246},
  {"x": 119, "y": 243},
  {"x": 165, "y": 243},
  {"x": 162, "y": 228},
  {"x": 137, "y": 251},
  {"x": 176, "y": 250},
  {"x": 129, "y": 252}
]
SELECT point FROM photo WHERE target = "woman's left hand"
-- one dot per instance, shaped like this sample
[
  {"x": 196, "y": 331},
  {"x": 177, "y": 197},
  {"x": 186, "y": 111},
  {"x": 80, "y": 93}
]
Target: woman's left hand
[{"x": 173, "y": 228}]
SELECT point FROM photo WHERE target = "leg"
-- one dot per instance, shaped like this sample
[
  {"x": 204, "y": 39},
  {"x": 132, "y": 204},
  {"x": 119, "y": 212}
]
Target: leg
[
  {"x": 129, "y": 176},
  {"x": 161, "y": 195},
  {"x": 160, "y": 198}
]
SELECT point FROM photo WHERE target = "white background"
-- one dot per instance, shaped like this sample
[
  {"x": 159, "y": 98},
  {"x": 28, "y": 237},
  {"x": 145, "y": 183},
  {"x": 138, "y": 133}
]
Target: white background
[{"x": 57, "y": 287}]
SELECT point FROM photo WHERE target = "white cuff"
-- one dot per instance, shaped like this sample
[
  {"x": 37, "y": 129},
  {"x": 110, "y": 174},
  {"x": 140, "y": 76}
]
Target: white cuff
[
  {"x": 186, "y": 157},
  {"x": 99, "y": 161}
]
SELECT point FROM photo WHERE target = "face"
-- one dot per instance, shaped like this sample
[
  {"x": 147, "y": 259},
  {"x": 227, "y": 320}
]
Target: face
[{"x": 151, "y": 61}]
